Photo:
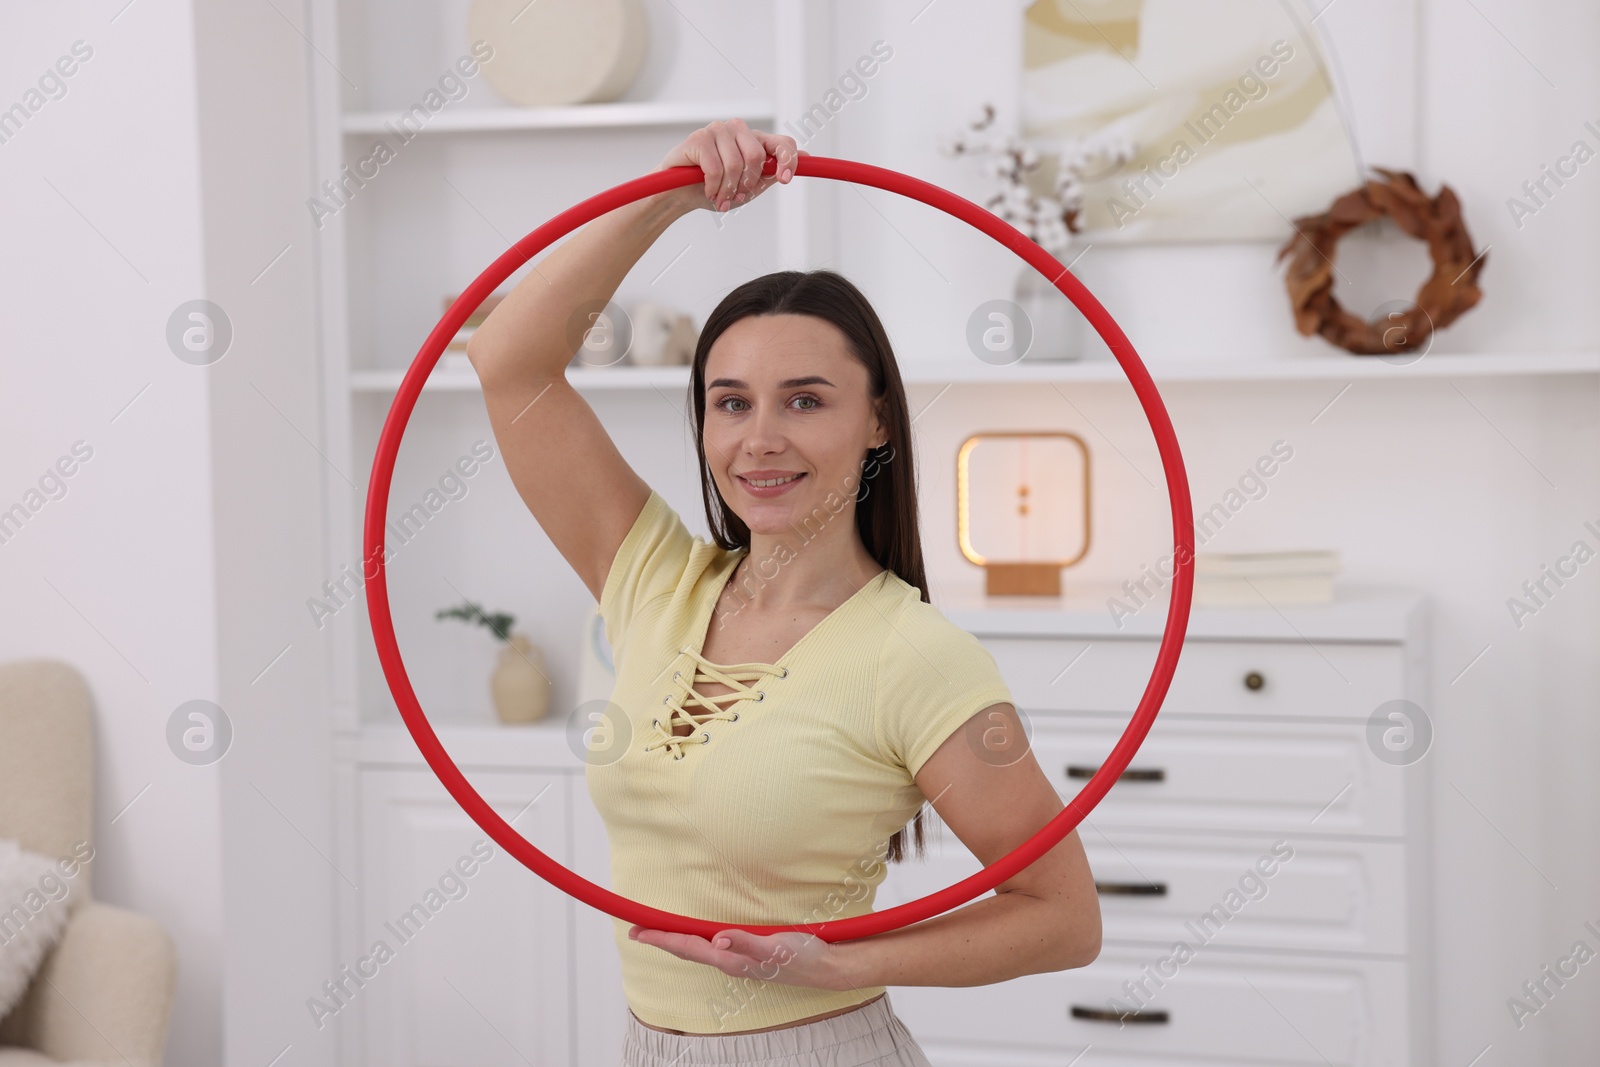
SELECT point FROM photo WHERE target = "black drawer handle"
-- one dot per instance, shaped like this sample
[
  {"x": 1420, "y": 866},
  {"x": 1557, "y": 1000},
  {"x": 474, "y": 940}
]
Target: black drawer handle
[
  {"x": 1132, "y": 774},
  {"x": 1254, "y": 680},
  {"x": 1132, "y": 889},
  {"x": 1105, "y": 1015}
]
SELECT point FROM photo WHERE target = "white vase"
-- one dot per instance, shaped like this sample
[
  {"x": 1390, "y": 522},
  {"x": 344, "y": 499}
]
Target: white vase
[
  {"x": 521, "y": 685},
  {"x": 1058, "y": 325}
]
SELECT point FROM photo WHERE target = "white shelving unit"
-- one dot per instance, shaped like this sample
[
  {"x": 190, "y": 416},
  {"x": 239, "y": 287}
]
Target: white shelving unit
[
  {"x": 393, "y": 247},
  {"x": 478, "y": 173},
  {"x": 647, "y": 113},
  {"x": 481, "y": 173},
  {"x": 1296, "y": 368}
]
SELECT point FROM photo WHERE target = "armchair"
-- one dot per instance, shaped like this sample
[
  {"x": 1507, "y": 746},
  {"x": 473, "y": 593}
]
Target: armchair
[{"x": 103, "y": 995}]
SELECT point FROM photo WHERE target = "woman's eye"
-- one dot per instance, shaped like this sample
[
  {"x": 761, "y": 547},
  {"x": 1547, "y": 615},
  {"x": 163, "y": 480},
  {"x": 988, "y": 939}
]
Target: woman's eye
[{"x": 722, "y": 404}]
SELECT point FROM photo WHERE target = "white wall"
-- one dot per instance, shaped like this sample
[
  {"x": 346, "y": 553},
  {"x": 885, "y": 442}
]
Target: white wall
[
  {"x": 173, "y": 168},
  {"x": 103, "y": 240}
]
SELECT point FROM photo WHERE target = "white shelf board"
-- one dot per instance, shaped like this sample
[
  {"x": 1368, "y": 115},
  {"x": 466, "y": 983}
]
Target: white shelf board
[
  {"x": 579, "y": 116},
  {"x": 1332, "y": 366},
  {"x": 1358, "y": 612},
  {"x": 444, "y": 381},
  {"x": 1288, "y": 368}
]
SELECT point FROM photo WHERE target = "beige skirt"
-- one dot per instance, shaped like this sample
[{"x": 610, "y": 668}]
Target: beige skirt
[{"x": 871, "y": 1034}]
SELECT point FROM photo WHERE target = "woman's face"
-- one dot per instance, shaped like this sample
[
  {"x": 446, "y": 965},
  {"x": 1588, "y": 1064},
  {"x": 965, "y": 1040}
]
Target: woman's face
[{"x": 785, "y": 397}]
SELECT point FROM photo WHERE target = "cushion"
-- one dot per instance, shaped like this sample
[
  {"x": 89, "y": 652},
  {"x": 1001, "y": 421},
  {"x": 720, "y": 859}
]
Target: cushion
[{"x": 33, "y": 913}]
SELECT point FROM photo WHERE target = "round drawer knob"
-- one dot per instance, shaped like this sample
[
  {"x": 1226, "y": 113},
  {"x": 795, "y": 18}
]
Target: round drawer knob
[{"x": 1253, "y": 680}]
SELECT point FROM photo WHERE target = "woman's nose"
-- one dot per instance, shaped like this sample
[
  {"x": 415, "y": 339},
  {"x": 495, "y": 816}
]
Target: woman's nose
[{"x": 763, "y": 431}]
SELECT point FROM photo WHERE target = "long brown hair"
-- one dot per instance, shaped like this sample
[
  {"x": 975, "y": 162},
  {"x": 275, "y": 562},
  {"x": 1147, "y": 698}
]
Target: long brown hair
[{"x": 886, "y": 516}]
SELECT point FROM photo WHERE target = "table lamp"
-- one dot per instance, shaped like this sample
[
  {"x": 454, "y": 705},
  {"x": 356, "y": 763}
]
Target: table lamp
[{"x": 1022, "y": 508}]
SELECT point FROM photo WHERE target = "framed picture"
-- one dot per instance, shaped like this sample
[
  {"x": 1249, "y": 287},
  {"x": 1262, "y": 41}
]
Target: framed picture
[{"x": 1242, "y": 118}]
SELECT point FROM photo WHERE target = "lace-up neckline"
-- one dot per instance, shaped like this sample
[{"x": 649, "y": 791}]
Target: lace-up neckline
[
  {"x": 683, "y": 701},
  {"x": 685, "y": 697}
]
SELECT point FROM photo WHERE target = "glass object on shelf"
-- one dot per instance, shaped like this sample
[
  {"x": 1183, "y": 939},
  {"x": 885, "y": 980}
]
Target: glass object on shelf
[{"x": 1058, "y": 327}]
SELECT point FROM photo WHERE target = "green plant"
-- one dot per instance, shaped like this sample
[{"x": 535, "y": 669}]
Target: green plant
[{"x": 499, "y": 622}]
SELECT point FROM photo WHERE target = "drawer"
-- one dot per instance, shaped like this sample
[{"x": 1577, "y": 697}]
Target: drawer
[
  {"x": 1288, "y": 778},
  {"x": 1321, "y": 895},
  {"x": 1219, "y": 1009},
  {"x": 1329, "y": 679},
  {"x": 1317, "y": 894}
]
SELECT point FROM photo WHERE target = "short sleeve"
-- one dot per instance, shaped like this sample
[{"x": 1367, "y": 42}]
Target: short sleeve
[
  {"x": 932, "y": 677},
  {"x": 649, "y": 563}
]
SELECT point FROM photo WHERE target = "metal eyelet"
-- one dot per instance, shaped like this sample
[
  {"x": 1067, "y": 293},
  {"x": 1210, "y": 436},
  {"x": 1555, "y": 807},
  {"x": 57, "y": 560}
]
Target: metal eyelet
[
  {"x": 676, "y": 675},
  {"x": 656, "y": 723},
  {"x": 735, "y": 717},
  {"x": 678, "y": 756},
  {"x": 785, "y": 673},
  {"x": 704, "y": 738},
  {"x": 760, "y": 697}
]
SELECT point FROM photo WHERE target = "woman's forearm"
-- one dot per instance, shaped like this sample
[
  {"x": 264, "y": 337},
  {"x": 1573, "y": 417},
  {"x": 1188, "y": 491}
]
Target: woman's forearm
[
  {"x": 995, "y": 939},
  {"x": 528, "y": 336}
]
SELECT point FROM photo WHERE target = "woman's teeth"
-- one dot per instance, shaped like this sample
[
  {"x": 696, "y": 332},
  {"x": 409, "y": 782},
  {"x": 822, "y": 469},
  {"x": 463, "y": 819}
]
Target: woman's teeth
[{"x": 768, "y": 483}]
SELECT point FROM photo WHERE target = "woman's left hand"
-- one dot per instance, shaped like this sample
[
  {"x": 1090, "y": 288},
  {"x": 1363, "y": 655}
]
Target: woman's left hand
[{"x": 792, "y": 957}]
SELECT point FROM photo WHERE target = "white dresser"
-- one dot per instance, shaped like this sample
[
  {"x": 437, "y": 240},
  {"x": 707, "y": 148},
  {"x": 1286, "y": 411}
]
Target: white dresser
[
  {"x": 1262, "y": 742},
  {"x": 1263, "y": 872}
]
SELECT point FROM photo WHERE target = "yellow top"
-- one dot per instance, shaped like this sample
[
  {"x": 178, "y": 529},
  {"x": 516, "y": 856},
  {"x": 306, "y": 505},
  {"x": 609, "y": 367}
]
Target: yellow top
[{"x": 777, "y": 809}]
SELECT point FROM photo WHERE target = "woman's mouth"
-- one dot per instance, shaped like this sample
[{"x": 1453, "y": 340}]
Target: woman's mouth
[{"x": 766, "y": 488}]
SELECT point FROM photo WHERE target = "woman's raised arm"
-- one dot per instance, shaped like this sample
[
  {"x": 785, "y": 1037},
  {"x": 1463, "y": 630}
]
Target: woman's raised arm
[{"x": 564, "y": 465}]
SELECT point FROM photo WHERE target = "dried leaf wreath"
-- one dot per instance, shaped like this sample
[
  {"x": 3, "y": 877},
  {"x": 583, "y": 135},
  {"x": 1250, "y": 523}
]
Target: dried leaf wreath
[{"x": 1449, "y": 291}]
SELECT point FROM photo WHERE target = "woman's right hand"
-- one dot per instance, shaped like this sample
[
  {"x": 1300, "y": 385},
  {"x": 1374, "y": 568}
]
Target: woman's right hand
[{"x": 732, "y": 155}]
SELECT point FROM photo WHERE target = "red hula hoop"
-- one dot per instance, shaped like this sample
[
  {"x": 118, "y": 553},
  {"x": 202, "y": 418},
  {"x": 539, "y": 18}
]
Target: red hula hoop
[{"x": 837, "y": 929}]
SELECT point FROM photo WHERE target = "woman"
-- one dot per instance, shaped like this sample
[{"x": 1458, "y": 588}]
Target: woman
[{"x": 808, "y": 619}]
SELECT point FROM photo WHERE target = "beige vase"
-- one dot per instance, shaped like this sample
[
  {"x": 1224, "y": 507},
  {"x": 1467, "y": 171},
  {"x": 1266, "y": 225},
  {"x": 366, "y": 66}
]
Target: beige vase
[
  {"x": 560, "y": 52},
  {"x": 521, "y": 685}
]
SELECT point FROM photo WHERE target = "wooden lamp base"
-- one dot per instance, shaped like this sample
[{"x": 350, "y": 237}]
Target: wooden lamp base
[{"x": 1022, "y": 579}]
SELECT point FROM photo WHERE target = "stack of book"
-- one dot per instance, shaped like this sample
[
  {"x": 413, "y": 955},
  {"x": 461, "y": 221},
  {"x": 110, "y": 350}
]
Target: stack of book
[
  {"x": 1262, "y": 578},
  {"x": 454, "y": 358},
  {"x": 474, "y": 320}
]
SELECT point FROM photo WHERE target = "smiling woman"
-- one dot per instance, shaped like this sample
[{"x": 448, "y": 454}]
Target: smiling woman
[{"x": 791, "y": 697}]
